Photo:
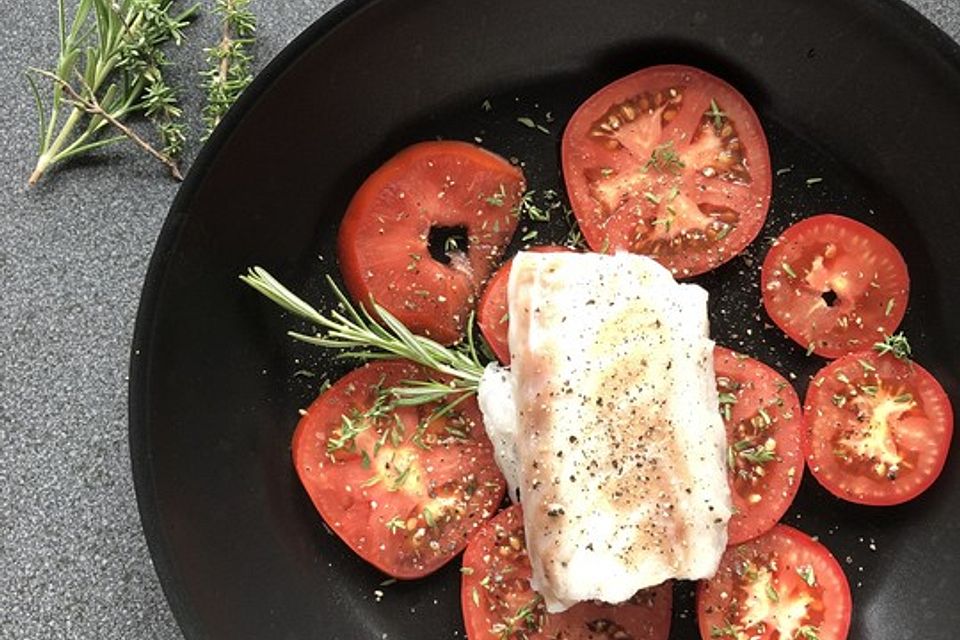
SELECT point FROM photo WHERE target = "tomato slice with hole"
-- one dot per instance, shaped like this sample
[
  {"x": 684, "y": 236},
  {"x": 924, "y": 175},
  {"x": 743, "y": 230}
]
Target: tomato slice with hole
[
  {"x": 834, "y": 285},
  {"x": 426, "y": 229},
  {"x": 492, "y": 313},
  {"x": 499, "y": 604},
  {"x": 401, "y": 486},
  {"x": 783, "y": 585},
  {"x": 761, "y": 413},
  {"x": 670, "y": 162},
  {"x": 879, "y": 428}
]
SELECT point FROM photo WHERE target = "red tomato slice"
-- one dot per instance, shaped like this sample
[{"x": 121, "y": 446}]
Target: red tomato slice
[
  {"x": 492, "y": 313},
  {"x": 384, "y": 241},
  {"x": 401, "y": 487},
  {"x": 879, "y": 428},
  {"x": 764, "y": 424},
  {"x": 781, "y": 586},
  {"x": 498, "y": 603},
  {"x": 670, "y": 162},
  {"x": 834, "y": 285}
]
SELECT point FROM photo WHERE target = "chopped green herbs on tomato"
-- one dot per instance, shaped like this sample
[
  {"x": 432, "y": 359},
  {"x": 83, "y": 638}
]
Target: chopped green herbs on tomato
[
  {"x": 783, "y": 585},
  {"x": 879, "y": 426},
  {"x": 834, "y": 285},
  {"x": 670, "y": 162},
  {"x": 403, "y": 486},
  {"x": 761, "y": 413}
]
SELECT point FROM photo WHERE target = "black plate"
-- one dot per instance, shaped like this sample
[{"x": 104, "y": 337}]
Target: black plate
[{"x": 862, "y": 93}]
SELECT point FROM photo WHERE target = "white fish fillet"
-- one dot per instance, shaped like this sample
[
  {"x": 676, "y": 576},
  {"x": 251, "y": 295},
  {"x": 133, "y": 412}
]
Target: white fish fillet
[
  {"x": 617, "y": 442},
  {"x": 495, "y": 397}
]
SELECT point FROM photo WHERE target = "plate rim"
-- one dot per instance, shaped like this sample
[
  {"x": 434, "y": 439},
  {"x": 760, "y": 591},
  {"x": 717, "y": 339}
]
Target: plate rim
[
  {"x": 141, "y": 460},
  {"x": 932, "y": 38}
]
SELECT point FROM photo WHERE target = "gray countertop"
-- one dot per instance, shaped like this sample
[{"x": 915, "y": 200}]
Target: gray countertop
[{"x": 73, "y": 255}]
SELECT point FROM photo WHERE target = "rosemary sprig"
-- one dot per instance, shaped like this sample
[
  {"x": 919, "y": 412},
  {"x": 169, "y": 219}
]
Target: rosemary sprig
[
  {"x": 109, "y": 67},
  {"x": 230, "y": 61},
  {"x": 376, "y": 335}
]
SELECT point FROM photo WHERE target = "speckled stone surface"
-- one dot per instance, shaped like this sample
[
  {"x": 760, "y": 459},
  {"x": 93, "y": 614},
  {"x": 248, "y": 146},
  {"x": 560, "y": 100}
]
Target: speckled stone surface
[{"x": 73, "y": 254}]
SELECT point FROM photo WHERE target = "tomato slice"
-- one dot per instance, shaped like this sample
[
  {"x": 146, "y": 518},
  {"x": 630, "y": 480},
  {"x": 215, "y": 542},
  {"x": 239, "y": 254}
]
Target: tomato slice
[
  {"x": 492, "y": 313},
  {"x": 879, "y": 428},
  {"x": 834, "y": 285},
  {"x": 499, "y": 604},
  {"x": 402, "y": 487},
  {"x": 764, "y": 424},
  {"x": 391, "y": 245},
  {"x": 670, "y": 162},
  {"x": 781, "y": 586}
]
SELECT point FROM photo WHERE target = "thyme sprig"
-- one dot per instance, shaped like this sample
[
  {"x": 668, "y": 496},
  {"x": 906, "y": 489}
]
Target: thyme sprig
[
  {"x": 109, "y": 67},
  {"x": 376, "y": 334},
  {"x": 230, "y": 60}
]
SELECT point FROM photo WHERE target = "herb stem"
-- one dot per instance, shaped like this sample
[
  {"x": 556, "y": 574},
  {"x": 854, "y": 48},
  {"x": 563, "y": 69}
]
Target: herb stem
[
  {"x": 230, "y": 73},
  {"x": 92, "y": 106},
  {"x": 376, "y": 334},
  {"x": 48, "y": 157}
]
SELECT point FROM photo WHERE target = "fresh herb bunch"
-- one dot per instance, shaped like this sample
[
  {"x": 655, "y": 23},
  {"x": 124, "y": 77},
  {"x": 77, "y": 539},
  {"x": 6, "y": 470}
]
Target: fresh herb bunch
[
  {"x": 377, "y": 335},
  {"x": 230, "y": 72},
  {"x": 110, "y": 66}
]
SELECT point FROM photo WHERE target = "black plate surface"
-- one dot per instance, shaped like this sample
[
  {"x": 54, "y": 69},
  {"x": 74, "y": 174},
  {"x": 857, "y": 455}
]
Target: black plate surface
[{"x": 862, "y": 93}]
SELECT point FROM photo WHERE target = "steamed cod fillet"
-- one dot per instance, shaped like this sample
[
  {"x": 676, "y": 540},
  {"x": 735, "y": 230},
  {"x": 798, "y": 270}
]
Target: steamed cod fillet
[{"x": 619, "y": 444}]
